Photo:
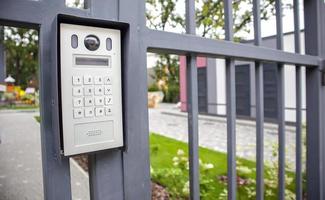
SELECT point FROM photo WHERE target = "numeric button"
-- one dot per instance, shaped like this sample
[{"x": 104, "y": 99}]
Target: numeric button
[
  {"x": 99, "y": 101},
  {"x": 98, "y": 80},
  {"x": 99, "y": 112},
  {"x": 89, "y": 101},
  {"x": 89, "y": 112},
  {"x": 99, "y": 90},
  {"x": 88, "y": 80},
  {"x": 89, "y": 90},
  {"x": 78, "y": 113},
  {"x": 77, "y": 91},
  {"x": 77, "y": 102},
  {"x": 76, "y": 80}
]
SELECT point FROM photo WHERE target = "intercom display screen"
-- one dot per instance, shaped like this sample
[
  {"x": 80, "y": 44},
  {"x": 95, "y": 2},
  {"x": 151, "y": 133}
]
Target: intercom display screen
[{"x": 92, "y": 61}]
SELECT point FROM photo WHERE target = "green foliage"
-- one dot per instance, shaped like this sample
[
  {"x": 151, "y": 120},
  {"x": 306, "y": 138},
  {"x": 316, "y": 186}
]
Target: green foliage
[
  {"x": 153, "y": 88},
  {"x": 162, "y": 15},
  {"x": 9, "y": 97},
  {"x": 167, "y": 77},
  {"x": 172, "y": 93},
  {"x": 179, "y": 184},
  {"x": 169, "y": 168},
  {"x": 21, "y": 54}
]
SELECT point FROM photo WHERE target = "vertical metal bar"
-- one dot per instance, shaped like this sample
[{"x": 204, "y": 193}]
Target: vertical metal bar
[
  {"x": 296, "y": 10},
  {"x": 2, "y": 56},
  {"x": 231, "y": 106},
  {"x": 315, "y": 93},
  {"x": 192, "y": 107},
  {"x": 259, "y": 106},
  {"x": 259, "y": 131},
  {"x": 281, "y": 106}
]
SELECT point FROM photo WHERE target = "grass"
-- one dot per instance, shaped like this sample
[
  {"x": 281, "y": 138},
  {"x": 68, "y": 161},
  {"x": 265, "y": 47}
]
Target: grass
[
  {"x": 163, "y": 149},
  {"x": 38, "y": 118},
  {"x": 18, "y": 107}
]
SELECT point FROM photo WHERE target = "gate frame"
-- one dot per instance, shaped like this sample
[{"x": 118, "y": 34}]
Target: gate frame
[{"x": 129, "y": 169}]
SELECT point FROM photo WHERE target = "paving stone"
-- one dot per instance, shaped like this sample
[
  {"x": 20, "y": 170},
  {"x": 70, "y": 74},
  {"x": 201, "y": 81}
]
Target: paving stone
[
  {"x": 20, "y": 160},
  {"x": 213, "y": 132}
]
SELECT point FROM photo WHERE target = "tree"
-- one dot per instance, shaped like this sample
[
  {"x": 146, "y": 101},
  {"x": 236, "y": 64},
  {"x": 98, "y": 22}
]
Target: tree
[
  {"x": 162, "y": 15},
  {"x": 21, "y": 54}
]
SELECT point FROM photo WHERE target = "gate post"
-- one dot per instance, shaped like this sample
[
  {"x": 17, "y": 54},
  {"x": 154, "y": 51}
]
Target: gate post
[
  {"x": 315, "y": 92},
  {"x": 136, "y": 166}
]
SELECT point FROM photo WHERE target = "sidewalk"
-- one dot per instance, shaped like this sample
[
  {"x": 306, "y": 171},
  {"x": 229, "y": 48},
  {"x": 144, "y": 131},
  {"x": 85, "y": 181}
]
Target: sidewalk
[
  {"x": 170, "y": 121},
  {"x": 20, "y": 160}
]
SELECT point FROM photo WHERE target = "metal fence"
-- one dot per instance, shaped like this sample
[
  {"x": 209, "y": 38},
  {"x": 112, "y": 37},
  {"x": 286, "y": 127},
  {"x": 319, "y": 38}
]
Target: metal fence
[{"x": 124, "y": 174}]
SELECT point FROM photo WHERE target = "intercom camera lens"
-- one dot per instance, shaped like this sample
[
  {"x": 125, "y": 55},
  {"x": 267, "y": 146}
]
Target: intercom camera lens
[{"x": 92, "y": 42}]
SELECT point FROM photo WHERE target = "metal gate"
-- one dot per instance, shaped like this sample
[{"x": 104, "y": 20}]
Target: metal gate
[{"x": 124, "y": 174}]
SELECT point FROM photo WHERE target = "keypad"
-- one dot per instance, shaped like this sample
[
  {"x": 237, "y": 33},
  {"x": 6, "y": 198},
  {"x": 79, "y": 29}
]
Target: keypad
[{"x": 92, "y": 96}]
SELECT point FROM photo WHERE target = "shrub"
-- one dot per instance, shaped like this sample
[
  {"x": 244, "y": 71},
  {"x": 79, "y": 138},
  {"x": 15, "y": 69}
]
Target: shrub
[
  {"x": 153, "y": 88},
  {"x": 172, "y": 93},
  {"x": 177, "y": 177}
]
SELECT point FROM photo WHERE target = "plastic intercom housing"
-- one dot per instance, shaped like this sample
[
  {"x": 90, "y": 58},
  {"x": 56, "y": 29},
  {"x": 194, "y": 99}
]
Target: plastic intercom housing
[{"x": 90, "y": 86}]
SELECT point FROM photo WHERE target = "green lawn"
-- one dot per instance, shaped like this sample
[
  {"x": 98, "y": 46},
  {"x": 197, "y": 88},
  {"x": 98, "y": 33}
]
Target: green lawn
[
  {"x": 18, "y": 107},
  {"x": 163, "y": 150},
  {"x": 38, "y": 118}
]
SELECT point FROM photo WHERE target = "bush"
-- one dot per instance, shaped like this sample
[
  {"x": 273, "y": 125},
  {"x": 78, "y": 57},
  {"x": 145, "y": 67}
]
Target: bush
[
  {"x": 178, "y": 186},
  {"x": 153, "y": 88},
  {"x": 172, "y": 93},
  {"x": 28, "y": 98},
  {"x": 9, "y": 97}
]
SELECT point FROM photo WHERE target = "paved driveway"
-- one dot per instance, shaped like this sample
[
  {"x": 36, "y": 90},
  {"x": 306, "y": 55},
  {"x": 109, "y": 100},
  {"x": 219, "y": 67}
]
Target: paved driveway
[
  {"x": 169, "y": 121},
  {"x": 20, "y": 160}
]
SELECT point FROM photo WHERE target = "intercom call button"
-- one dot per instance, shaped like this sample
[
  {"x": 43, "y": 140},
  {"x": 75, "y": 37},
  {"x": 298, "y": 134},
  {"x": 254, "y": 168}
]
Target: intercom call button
[
  {"x": 88, "y": 80},
  {"x": 76, "y": 80},
  {"x": 108, "y": 110},
  {"x": 77, "y": 91},
  {"x": 78, "y": 113}
]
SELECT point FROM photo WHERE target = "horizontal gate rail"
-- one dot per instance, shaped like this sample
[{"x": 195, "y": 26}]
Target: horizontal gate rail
[{"x": 174, "y": 43}]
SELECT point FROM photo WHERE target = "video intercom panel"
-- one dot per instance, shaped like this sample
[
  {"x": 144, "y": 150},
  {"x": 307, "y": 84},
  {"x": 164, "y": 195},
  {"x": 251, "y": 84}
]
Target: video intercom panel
[{"x": 90, "y": 82}]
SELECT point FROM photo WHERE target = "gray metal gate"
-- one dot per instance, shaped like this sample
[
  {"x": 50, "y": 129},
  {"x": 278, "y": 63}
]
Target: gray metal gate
[{"x": 124, "y": 174}]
